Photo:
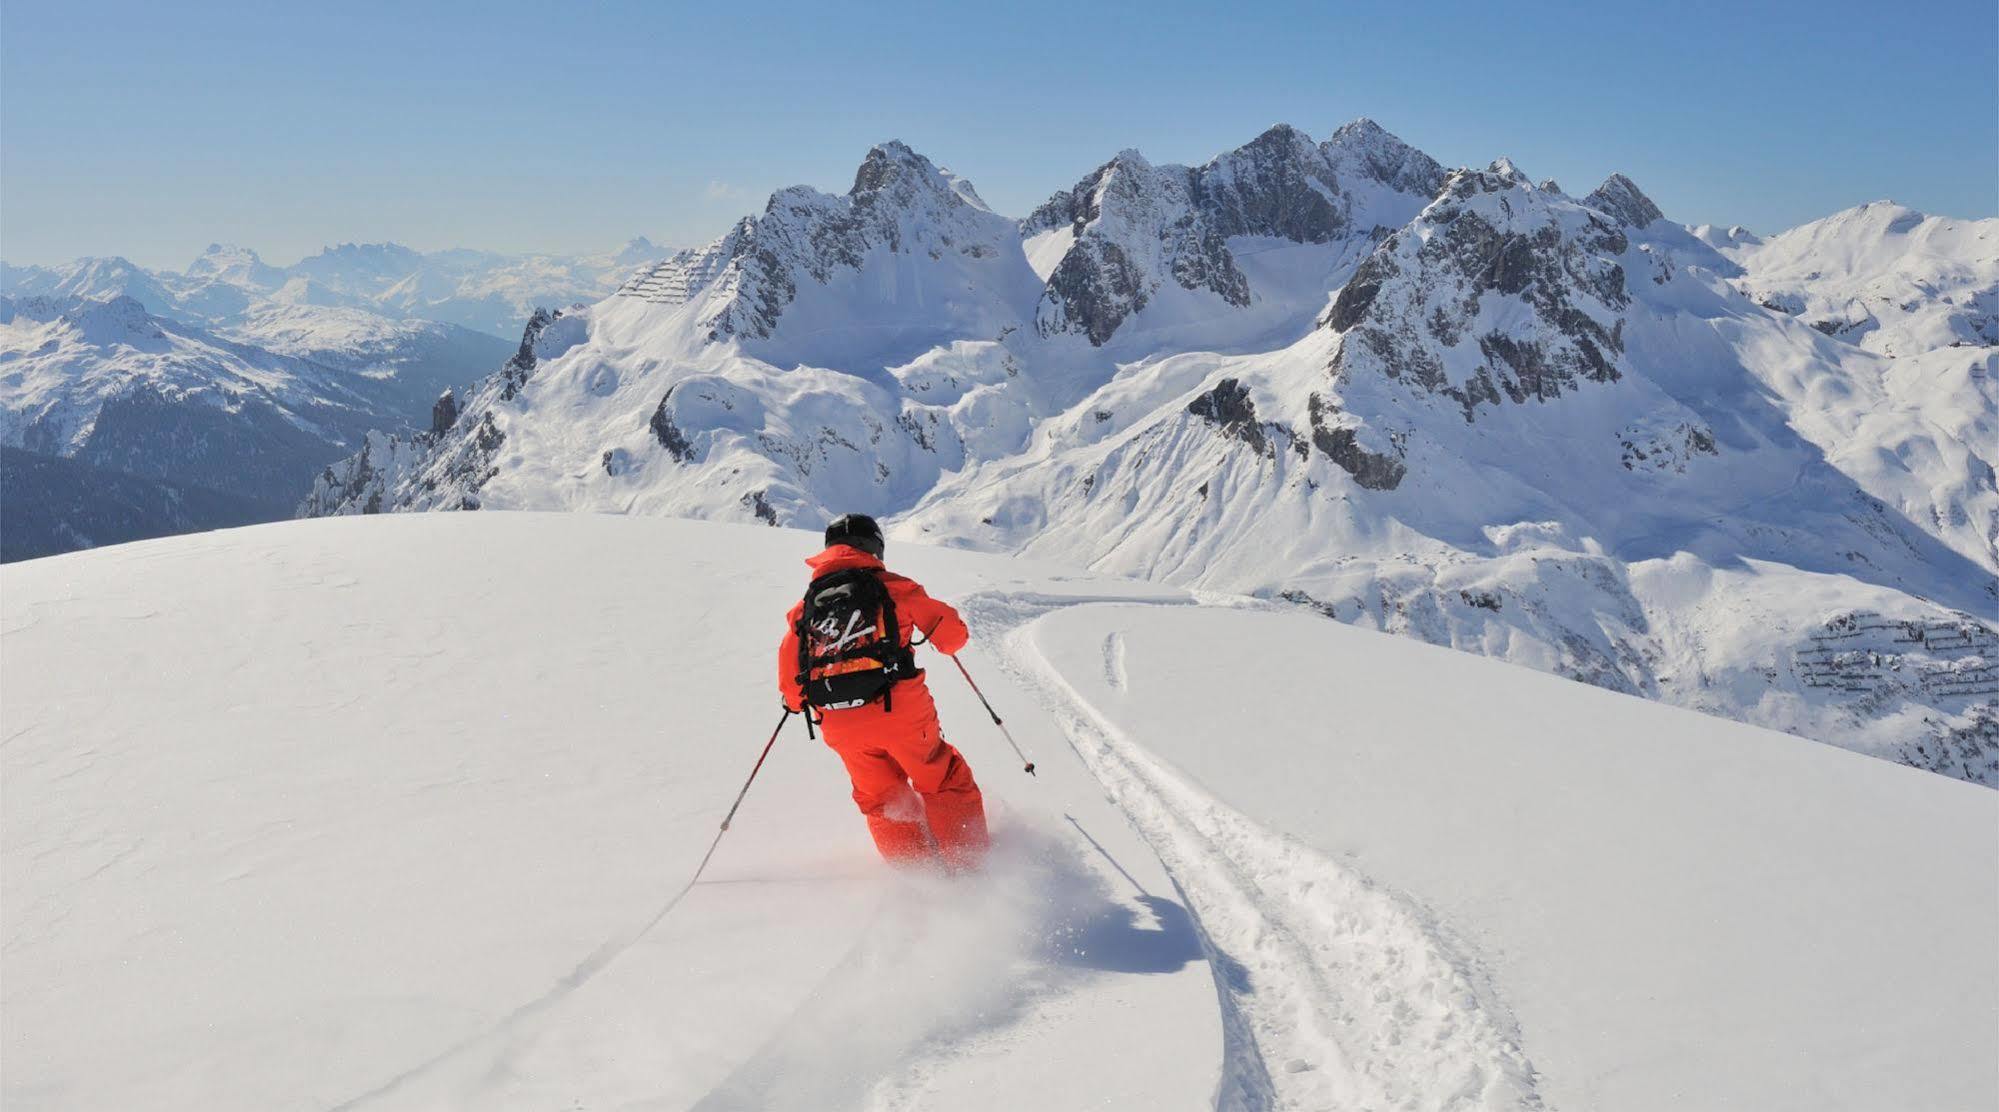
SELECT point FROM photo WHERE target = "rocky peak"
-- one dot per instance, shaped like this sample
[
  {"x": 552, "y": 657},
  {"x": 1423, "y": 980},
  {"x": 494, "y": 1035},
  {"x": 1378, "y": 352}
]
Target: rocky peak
[
  {"x": 1082, "y": 203},
  {"x": 1500, "y": 177},
  {"x": 444, "y": 413},
  {"x": 892, "y": 163},
  {"x": 1364, "y": 149},
  {"x": 1504, "y": 169},
  {"x": 1138, "y": 226},
  {"x": 1621, "y": 198},
  {"x": 115, "y": 320},
  {"x": 1498, "y": 292},
  {"x": 1278, "y": 184},
  {"x": 520, "y": 367},
  {"x": 900, "y": 202}
]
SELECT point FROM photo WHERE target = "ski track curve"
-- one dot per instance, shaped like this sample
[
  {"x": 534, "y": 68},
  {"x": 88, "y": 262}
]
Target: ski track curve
[{"x": 1335, "y": 992}]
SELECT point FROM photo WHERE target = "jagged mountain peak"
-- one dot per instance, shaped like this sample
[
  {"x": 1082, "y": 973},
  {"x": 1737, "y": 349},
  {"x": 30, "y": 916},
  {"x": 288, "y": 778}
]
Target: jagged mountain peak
[
  {"x": 1081, "y": 203},
  {"x": 807, "y": 245},
  {"x": 383, "y": 250},
  {"x": 1136, "y": 228},
  {"x": 239, "y": 265},
  {"x": 891, "y": 163},
  {"x": 895, "y": 172},
  {"x": 1367, "y": 149},
  {"x": 1620, "y": 197},
  {"x": 1498, "y": 292},
  {"x": 1466, "y": 182},
  {"x": 1504, "y": 168},
  {"x": 1360, "y": 128},
  {"x": 1281, "y": 137}
]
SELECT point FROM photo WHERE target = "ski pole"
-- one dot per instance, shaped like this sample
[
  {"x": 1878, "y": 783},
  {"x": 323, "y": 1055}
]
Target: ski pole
[
  {"x": 731, "y": 816},
  {"x": 1027, "y": 766}
]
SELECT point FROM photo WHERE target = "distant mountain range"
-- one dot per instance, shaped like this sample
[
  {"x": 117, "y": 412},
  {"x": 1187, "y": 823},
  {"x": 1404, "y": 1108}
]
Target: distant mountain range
[
  {"x": 242, "y": 378},
  {"x": 479, "y": 290}
]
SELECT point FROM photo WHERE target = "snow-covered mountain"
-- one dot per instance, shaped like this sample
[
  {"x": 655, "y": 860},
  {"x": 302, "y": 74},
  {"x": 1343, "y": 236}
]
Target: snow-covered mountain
[
  {"x": 111, "y": 385},
  {"x": 1920, "y": 294},
  {"x": 228, "y": 293},
  {"x": 1165, "y": 248},
  {"x": 481, "y": 290},
  {"x": 1885, "y": 277},
  {"x": 402, "y": 813},
  {"x": 1459, "y": 406},
  {"x": 354, "y": 359}
]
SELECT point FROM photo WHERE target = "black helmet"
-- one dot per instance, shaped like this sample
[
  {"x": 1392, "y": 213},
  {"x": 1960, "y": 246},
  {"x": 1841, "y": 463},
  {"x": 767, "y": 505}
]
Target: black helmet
[{"x": 856, "y": 531}]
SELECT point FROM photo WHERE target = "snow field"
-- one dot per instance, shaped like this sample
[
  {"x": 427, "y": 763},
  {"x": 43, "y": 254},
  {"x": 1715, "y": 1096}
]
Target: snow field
[{"x": 398, "y": 813}]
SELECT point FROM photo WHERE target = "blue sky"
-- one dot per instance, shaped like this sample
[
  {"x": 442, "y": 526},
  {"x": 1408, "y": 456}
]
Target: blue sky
[{"x": 149, "y": 130}]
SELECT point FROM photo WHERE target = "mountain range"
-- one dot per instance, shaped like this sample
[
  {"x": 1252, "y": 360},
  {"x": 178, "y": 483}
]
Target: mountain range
[
  {"x": 1752, "y": 477},
  {"x": 479, "y": 290},
  {"x": 238, "y": 378}
]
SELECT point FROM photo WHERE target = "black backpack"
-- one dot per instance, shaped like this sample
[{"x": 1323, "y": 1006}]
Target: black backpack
[{"x": 850, "y": 648}]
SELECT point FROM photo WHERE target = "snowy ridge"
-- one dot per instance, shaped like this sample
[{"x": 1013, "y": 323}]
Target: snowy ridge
[{"x": 1886, "y": 277}]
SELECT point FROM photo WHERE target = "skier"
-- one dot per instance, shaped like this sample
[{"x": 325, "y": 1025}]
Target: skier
[{"x": 847, "y": 654}]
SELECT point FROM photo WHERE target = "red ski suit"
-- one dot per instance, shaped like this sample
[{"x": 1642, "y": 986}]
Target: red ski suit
[{"x": 905, "y": 774}]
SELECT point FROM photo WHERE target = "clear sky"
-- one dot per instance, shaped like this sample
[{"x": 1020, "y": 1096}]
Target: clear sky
[{"x": 150, "y": 129}]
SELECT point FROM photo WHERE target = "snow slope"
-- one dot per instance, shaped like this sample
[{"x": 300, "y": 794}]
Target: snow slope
[
  {"x": 1919, "y": 295},
  {"x": 398, "y": 812}
]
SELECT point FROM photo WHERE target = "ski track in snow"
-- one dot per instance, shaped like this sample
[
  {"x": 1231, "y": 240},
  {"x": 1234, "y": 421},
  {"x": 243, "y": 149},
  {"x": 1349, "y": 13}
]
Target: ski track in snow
[
  {"x": 509, "y": 1030},
  {"x": 1335, "y": 992},
  {"x": 1114, "y": 661}
]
